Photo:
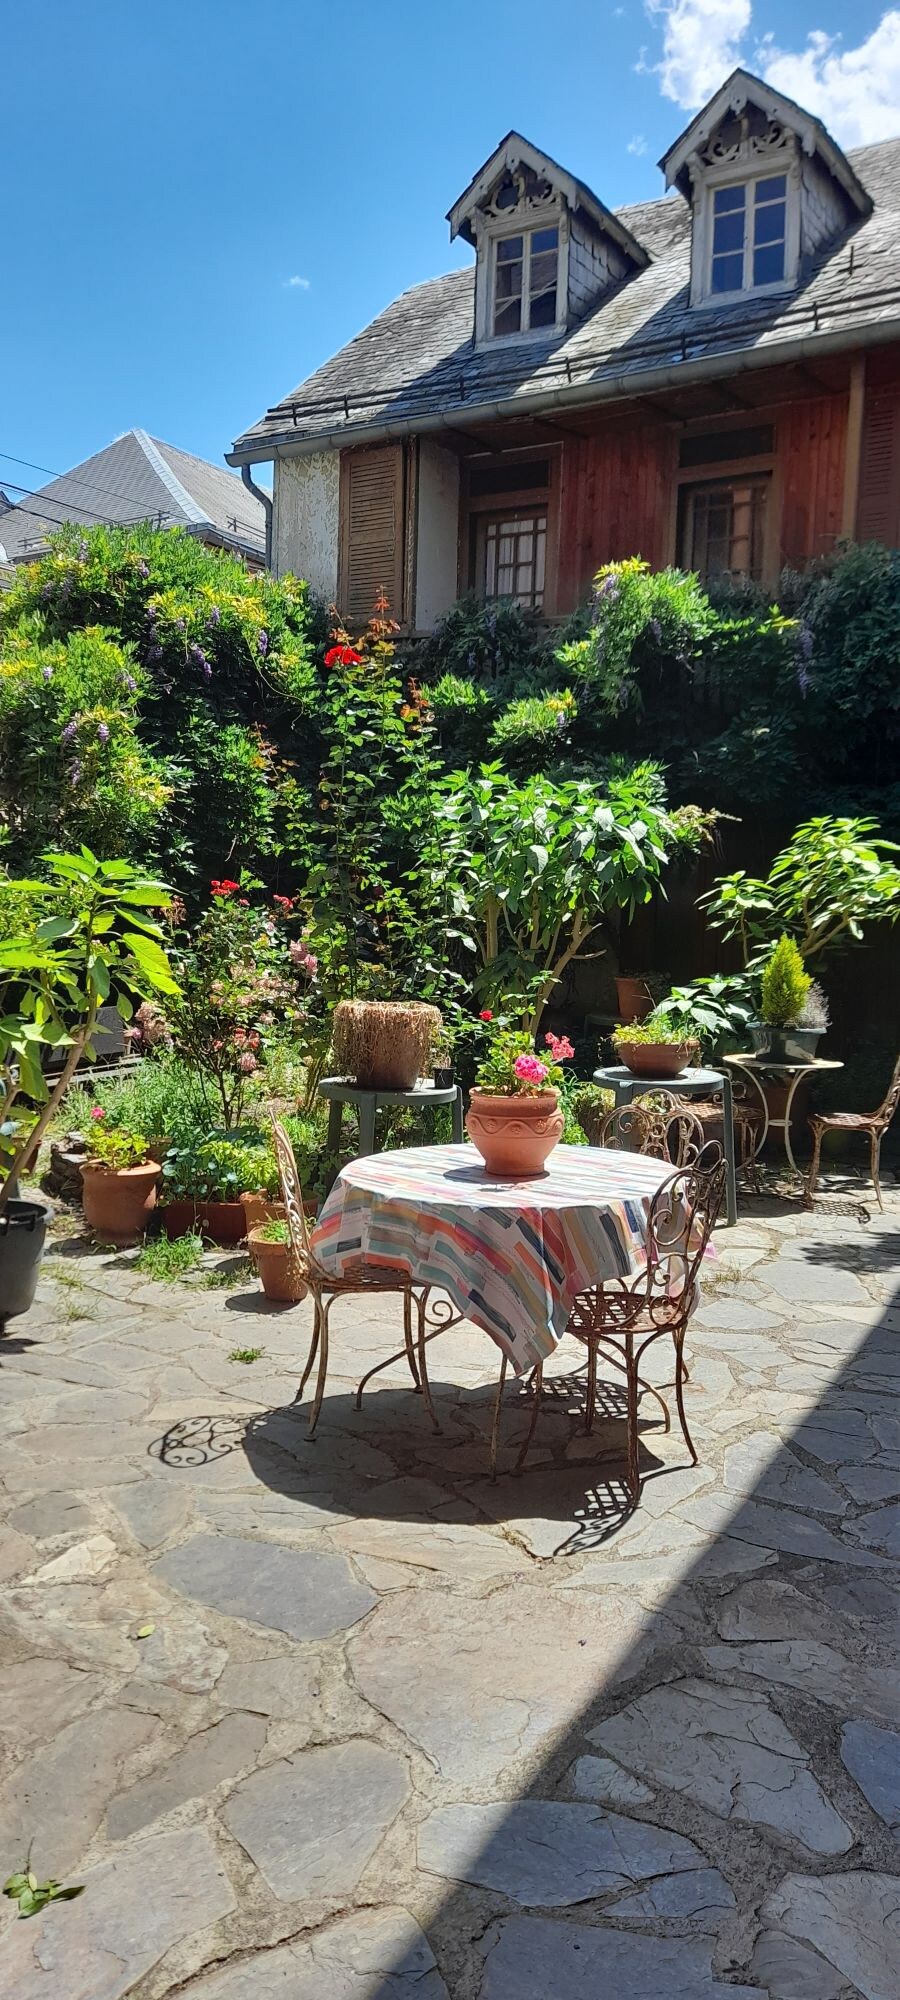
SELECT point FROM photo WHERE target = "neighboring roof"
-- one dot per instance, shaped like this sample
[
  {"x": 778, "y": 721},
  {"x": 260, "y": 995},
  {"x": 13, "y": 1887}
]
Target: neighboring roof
[
  {"x": 138, "y": 478},
  {"x": 416, "y": 365},
  {"x": 514, "y": 151},
  {"x": 740, "y": 89}
]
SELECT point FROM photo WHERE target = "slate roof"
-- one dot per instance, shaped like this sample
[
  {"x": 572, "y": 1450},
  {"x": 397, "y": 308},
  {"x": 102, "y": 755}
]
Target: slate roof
[
  {"x": 418, "y": 358},
  {"x": 138, "y": 478}
]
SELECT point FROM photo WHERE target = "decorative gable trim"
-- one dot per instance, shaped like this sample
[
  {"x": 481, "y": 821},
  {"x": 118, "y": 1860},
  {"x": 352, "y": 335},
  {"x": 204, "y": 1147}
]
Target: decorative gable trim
[
  {"x": 739, "y": 91},
  {"x": 515, "y": 153}
]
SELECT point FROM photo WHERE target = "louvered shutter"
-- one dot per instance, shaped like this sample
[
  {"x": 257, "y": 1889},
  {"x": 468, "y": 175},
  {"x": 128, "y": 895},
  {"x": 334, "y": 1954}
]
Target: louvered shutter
[
  {"x": 373, "y": 531},
  {"x": 878, "y": 513}
]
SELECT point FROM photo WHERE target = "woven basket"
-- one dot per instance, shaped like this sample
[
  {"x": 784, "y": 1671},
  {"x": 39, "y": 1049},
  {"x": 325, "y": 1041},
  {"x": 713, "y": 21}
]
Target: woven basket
[{"x": 384, "y": 1044}]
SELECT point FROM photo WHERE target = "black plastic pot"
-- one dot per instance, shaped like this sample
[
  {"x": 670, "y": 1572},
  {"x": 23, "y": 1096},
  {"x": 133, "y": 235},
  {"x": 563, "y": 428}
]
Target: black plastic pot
[
  {"x": 785, "y": 1045},
  {"x": 443, "y": 1079},
  {"x": 23, "y": 1227}
]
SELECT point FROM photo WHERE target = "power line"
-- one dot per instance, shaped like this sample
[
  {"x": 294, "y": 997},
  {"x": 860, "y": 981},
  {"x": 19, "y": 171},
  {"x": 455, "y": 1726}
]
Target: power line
[{"x": 90, "y": 485}]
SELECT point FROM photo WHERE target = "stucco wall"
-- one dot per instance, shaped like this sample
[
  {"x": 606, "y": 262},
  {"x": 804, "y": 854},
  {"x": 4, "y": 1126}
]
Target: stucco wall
[
  {"x": 305, "y": 526},
  {"x": 437, "y": 531}
]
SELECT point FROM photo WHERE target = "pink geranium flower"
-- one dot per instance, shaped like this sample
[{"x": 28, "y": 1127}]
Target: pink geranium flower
[
  {"x": 529, "y": 1069},
  {"x": 560, "y": 1047}
]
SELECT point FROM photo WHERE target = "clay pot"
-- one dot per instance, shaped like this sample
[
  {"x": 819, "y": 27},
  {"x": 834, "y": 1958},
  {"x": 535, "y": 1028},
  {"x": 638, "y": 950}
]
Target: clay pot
[
  {"x": 657, "y": 1059},
  {"x": 514, "y": 1135},
  {"x": 384, "y": 1044},
  {"x": 277, "y": 1273},
  {"x": 259, "y": 1208},
  {"x": 117, "y": 1204},
  {"x": 634, "y": 999},
  {"x": 220, "y": 1222}
]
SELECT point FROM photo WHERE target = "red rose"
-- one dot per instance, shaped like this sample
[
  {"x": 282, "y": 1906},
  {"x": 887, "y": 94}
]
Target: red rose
[
  {"x": 344, "y": 656},
  {"x": 485, "y": 1014}
]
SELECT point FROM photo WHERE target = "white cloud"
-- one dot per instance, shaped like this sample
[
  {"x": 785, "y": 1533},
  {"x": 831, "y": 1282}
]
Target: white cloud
[
  {"x": 637, "y": 145},
  {"x": 296, "y": 285},
  {"x": 701, "y": 45},
  {"x": 856, "y": 91}
]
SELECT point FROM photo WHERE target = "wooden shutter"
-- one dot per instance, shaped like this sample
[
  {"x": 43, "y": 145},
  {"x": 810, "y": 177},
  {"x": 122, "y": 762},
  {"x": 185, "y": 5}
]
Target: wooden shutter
[
  {"x": 878, "y": 514},
  {"x": 373, "y": 531}
]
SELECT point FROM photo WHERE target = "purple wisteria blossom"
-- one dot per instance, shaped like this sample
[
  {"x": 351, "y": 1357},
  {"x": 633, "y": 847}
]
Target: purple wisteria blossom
[
  {"x": 69, "y": 733},
  {"x": 804, "y": 655},
  {"x": 103, "y": 732},
  {"x": 199, "y": 657},
  {"x": 262, "y": 640},
  {"x": 129, "y": 682},
  {"x": 46, "y": 673},
  {"x": 75, "y": 770},
  {"x": 143, "y": 569},
  {"x": 215, "y": 616},
  {"x": 83, "y": 552},
  {"x": 155, "y": 653}
]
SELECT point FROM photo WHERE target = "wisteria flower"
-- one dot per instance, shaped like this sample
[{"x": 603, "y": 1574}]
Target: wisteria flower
[
  {"x": 69, "y": 733},
  {"x": 262, "y": 640},
  {"x": 215, "y": 616},
  {"x": 46, "y": 673},
  {"x": 103, "y": 732}
]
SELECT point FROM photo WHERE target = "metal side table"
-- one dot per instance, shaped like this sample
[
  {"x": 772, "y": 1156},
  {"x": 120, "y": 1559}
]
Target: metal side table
[
  {"x": 625, "y": 1087},
  {"x": 426, "y": 1096},
  {"x": 757, "y": 1068}
]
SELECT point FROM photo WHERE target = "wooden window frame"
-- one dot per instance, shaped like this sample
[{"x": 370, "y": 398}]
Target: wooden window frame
[
  {"x": 729, "y": 471},
  {"x": 522, "y": 222},
  {"x": 528, "y": 499},
  {"x": 733, "y": 174}
]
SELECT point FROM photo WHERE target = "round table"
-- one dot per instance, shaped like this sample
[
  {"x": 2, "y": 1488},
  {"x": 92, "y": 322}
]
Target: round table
[
  {"x": 755, "y": 1067},
  {"x": 625, "y": 1086},
  {"x": 425, "y": 1096},
  {"x": 511, "y": 1254}
]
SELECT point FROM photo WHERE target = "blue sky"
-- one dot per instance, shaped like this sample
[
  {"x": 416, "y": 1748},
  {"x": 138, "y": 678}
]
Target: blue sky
[{"x": 205, "y": 198}]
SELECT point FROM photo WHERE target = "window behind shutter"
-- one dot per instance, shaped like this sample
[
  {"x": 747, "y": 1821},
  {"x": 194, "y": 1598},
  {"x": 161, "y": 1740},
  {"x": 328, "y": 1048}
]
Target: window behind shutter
[
  {"x": 373, "y": 531},
  {"x": 878, "y": 515}
]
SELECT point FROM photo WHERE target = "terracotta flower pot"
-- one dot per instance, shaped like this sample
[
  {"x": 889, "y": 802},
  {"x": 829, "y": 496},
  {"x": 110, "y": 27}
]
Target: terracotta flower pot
[
  {"x": 657, "y": 1059},
  {"x": 277, "y": 1273},
  {"x": 118, "y": 1203},
  {"x": 514, "y": 1135},
  {"x": 259, "y": 1208},
  {"x": 634, "y": 998},
  {"x": 220, "y": 1222}
]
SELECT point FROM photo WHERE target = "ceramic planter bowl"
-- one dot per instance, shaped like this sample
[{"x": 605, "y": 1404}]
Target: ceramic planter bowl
[
  {"x": 118, "y": 1203},
  {"x": 23, "y": 1227},
  {"x": 277, "y": 1274},
  {"x": 514, "y": 1135},
  {"x": 656, "y": 1059}
]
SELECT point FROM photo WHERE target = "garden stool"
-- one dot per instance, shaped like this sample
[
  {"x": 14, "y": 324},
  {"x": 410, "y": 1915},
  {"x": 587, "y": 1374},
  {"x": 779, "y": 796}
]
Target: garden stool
[
  {"x": 426, "y": 1096},
  {"x": 691, "y": 1083}
]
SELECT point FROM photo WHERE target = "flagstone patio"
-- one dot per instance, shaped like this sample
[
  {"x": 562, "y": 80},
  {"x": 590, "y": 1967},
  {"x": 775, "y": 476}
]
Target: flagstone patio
[{"x": 343, "y": 1721}]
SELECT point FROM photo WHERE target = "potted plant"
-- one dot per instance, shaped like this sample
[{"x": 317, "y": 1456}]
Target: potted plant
[
  {"x": 270, "y": 1247},
  {"x": 119, "y": 1181},
  {"x": 75, "y": 941},
  {"x": 793, "y": 1010},
  {"x": 384, "y": 1044},
  {"x": 443, "y": 1074},
  {"x": 204, "y": 1179},
  {"x": 656, "y": 1047},
  {"x": 514, "y": 1120},
  {"x": 633, "y": 997}
]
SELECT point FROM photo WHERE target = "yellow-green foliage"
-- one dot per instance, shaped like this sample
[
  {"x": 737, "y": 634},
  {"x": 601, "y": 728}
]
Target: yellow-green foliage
[{"x": 784, "y": 985}]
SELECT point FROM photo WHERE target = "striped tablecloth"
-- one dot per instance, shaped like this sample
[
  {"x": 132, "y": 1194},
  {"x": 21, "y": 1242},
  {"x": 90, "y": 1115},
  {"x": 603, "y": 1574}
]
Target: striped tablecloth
[{"x": 511, "y": 1254}]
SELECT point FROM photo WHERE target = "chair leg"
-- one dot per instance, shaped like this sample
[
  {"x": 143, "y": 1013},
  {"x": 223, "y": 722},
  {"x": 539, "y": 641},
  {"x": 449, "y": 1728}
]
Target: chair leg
[
  {"x": 495, "y": 1425},
  {"x": 424, "y": 1383},
  {"x": 323, "y": 1366},
  {"x": 537, "y": 1385},
  {"x": 408, "y": 1341},
  {"x": 813, "y": 1179},
  {"x": 313, "y": 1346},
  {"x": 590, "y": 1401},
  {"x": 679, "y": 1397},
  {"x": 633, "y": 1471},
  {"x": 876, "y": 1167}
]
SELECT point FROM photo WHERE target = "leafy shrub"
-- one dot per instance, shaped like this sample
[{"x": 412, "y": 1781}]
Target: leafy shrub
[
  {"x": 221, "y": 1167},
  {"x": 535, "y": 728},
  {"x": 160, "y": 1098},
  {"x": 117, "y": 1149}
]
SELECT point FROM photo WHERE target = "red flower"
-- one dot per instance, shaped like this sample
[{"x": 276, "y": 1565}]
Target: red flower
[
  {"x": 485, "y": 1014},
  {"x": 343, "y": 656},
  {"x": 285, "y": 903},
  {"x": 225, "y": 888}
]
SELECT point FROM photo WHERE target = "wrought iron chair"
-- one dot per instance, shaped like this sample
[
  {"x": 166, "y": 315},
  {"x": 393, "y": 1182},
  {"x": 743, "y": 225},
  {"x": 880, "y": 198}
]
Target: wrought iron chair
[
  {"x": 658, "y": 1124},
  {"x": 624, "y": 1316},
  {"x": 874, "y": 1122},
  {"x": 324, "y": 1288}
]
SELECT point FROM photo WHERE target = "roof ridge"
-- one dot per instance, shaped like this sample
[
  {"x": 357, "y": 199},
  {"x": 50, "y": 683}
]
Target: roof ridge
[{"x": 170, "y": 479}]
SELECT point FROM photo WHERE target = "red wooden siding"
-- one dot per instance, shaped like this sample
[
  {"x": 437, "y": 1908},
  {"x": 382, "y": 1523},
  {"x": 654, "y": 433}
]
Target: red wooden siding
[
  {"x": 614, "y": 500},
  {"x": 811, "y": 439}
]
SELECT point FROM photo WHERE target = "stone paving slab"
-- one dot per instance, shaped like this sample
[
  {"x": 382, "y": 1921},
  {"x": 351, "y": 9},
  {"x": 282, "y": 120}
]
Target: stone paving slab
[{"x": 342, "y": 1720}]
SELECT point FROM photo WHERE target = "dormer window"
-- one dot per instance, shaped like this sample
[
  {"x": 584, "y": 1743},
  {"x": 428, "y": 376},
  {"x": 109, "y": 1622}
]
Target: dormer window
[
  {"x": 526, "y": 274},
  {"x": 749, "y": 234}
]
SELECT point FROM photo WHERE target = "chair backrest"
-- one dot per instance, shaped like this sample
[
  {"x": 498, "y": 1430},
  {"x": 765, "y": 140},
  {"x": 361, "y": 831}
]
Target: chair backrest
[
  {"x": 655, "y": 1124},
  {"x": 885, "y": 1111},
  {"x": 682, "y": 1217},
  {"x": 293, "y": 1196}
]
